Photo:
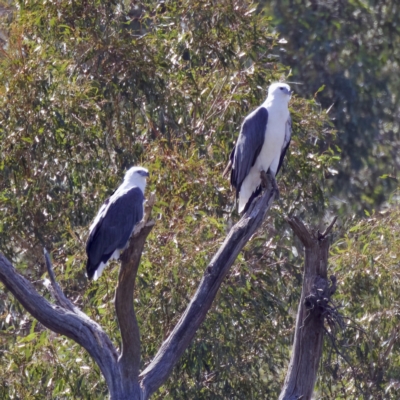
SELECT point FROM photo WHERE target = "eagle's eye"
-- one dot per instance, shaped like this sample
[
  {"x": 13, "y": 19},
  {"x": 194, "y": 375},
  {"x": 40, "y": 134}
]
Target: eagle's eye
[{"x": 281, "y": 88}]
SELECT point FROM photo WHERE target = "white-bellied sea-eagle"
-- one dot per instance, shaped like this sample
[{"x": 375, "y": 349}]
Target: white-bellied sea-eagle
[
  {"x": 113, "y": 226},
  {"x": 261, "y": 145}
]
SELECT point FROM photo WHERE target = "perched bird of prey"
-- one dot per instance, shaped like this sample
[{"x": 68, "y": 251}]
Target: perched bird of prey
[
  {"x": 261, "y": 145},
  {"x": 113, "y": 226}
]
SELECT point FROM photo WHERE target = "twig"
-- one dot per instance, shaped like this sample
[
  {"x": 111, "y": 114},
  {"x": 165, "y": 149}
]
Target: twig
[
  {"x": 327, "y": 230},
  {"x": 57, "y": 292},
  {"x": 334, "y": 345}
]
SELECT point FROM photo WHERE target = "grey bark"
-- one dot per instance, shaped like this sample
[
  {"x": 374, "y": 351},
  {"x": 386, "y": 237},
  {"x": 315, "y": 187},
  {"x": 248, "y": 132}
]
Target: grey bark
[
  {"x": 309, "y": 332},
  {"x": 121, "y": 370},
  {"x": 179, "y": 339}
]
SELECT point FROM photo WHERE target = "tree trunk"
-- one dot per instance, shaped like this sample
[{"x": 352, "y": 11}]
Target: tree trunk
[{"x": 314, "y": 304}]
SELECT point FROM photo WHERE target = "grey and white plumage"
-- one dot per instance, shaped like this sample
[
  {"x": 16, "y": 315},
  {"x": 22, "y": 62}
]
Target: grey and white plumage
[
  {"x": 114, "y": 224},
  {"x": 261, "y": 145}
]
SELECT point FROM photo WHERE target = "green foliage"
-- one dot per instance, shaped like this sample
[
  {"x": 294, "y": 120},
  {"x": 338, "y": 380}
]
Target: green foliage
[
  {"x": 91, "y": 88},
  {"x": 366, "y": 264},
  {"x": 352, "y": 48}
]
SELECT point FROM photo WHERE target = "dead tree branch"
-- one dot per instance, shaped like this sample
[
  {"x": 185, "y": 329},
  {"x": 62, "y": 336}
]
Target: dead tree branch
[
  {"x": 313, "y": 308},
  {"x": 58, "y": 294},
  {"x": 75, "y": 325},
  {"x": 173, "y": 347},
  {"x": 121, "y": 370},
  {"x": 130, "y": 260}
]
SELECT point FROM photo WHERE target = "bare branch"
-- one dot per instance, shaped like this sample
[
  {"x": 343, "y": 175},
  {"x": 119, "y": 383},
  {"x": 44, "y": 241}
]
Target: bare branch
[
  {"x": 57, "y": 292},
  {"x": 73, "y": 324},
  {"x": 227, "y": 169},
  {"x": 121, "y": 373},
  {"x": 327, "y": 230},
  {"x": 300, "y": 231},
  {"x": 316, "y": 291},
  {"x": 130, "y": 260},
  {"x": 173, "y": 347}
]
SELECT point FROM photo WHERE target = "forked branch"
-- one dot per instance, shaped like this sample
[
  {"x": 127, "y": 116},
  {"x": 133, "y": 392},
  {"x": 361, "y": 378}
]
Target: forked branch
[{"x": 121, "y": 371}]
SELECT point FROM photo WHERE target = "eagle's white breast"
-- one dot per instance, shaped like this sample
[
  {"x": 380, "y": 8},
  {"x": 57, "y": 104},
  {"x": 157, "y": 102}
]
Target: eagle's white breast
[{"x": 278, "y": 114}]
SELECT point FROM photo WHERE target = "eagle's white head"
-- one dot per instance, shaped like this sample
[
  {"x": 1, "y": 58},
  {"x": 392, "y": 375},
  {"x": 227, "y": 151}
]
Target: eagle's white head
[
  {"x": 279, "y": 91},
  {"x": 136, "y": 176}
]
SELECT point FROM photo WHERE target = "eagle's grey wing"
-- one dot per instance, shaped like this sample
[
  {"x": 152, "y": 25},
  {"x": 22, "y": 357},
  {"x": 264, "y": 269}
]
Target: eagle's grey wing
[
  {"x": 286, "y": 142},
  {"x": 248, "y": 146},
  {"x": 114, "y": 228}
]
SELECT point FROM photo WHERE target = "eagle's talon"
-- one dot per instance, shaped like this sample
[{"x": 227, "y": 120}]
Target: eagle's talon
[
  {"x": 264, "y": 179},
  {"x": 275, "y": 187}
]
